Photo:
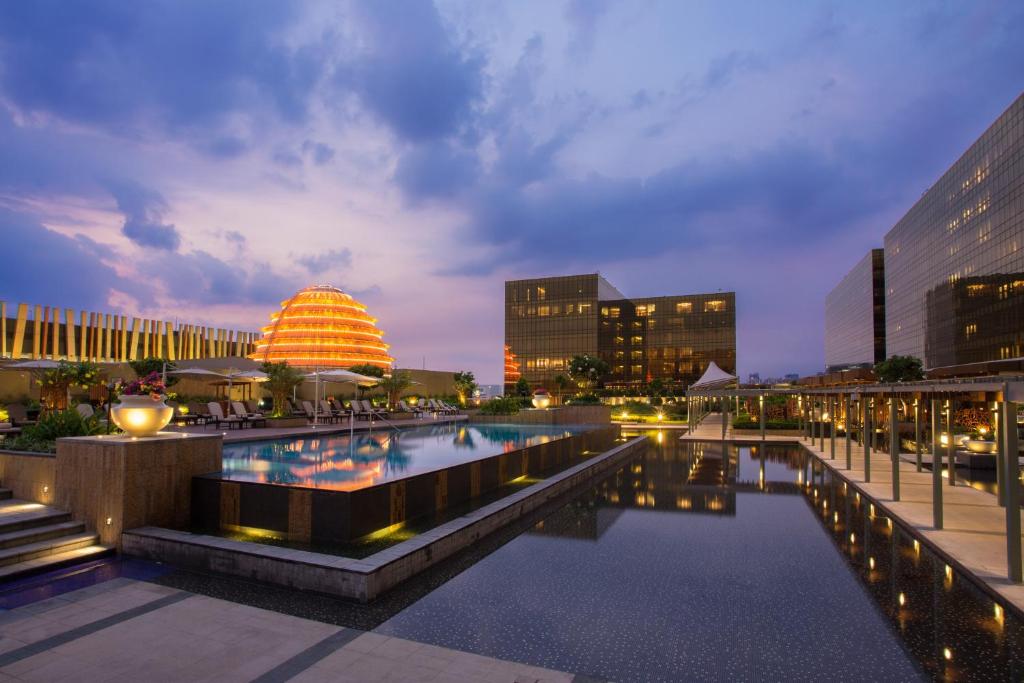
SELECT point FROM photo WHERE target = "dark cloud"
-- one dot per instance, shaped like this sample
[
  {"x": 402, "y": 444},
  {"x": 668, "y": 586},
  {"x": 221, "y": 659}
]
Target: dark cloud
[
  {"x": 334, "y": 259},
  {"x": 412, "y": 74},
  {"x": 46, "y": 267},
  {"x": 183, "y": 65},
  {"x": 437, "y": 170},
  {"x": 143, "y": 211},
  {"x": 583, "y": 17},
  {"x": 236, "y": 238}
]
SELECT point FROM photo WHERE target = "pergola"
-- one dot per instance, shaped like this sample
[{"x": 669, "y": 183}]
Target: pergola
[{"x": 868, "y": 415}]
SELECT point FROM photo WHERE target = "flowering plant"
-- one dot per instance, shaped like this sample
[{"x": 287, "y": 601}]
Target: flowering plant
[{"x": 151, "y": 385}]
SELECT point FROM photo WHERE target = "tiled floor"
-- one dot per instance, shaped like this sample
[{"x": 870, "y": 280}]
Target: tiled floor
[
  {"x": 974, "y": 533},
  {"x": 132, "y": 630}
]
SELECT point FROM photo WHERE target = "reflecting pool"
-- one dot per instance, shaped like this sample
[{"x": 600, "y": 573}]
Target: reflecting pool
[
  {"x": 341, "y": 463},
  {"x": 687, "y": 565}
]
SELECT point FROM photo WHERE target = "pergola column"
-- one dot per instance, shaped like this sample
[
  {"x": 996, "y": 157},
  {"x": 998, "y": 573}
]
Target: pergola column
[
  {"x": 1012, "y": 478},
  {"x": 866, "y": 430},
  {"x": 725, "y": 418},
  {"x": 936, "y": 467},
  {"x": 999, "y": 426},
  {"x": 950, "y": 445},
  {"x": 832, "y": 407},
  {"x": 894, "y": 448},
  {"x": 917, "y": 432},
  {"x": 848, "y": 421}
]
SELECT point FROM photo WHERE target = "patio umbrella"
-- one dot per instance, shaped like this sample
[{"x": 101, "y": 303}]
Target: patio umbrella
[
  {"x": 340, "y": 377},
  {"x": 33, "y": 365}
]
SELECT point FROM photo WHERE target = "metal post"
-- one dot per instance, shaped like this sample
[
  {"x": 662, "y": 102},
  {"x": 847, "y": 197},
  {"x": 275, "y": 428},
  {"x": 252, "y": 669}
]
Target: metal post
[
  {"x": 1013, "y": 552},
  {"x": 999, "y": 427},
  {"x": 848, "y": 421},
  {"x": 763, "y": 420},
  {"x": 725, "y": 416},
  {"x": 950, "y": 446},
  {"x": 833, "y": 406},
  {"x": 866, "y": 429},
  {"x": 936, "y": 467},
  {"x": 894, "y": 448},
  {"x": 917, "y": 432}
]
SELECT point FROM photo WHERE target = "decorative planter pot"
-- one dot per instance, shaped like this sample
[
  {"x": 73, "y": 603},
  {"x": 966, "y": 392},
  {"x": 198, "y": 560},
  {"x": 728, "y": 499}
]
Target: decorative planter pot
[
  {"x": 141, "y": 415},
  {"x": 541, "y": 400},
  {"x": 980, "y": 446}
]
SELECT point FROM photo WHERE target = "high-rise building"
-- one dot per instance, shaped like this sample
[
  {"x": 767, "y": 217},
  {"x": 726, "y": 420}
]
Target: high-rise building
[
  {"x": 954, "y": 264},
  {"x": 671, "y": 338},
  {"x": 855, "y": 316}
]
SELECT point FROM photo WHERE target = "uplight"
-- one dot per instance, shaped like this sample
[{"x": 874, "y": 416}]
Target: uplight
[
  {"x": 947, "y": 654},
  {"x": 902, "y": 600},
  {"x": 871, "y": 563}
]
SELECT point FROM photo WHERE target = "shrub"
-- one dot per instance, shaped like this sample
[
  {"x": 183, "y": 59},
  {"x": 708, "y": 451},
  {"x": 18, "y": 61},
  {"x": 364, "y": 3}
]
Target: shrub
[
  {"x": 747, "y": 423},
  {"x": 502, "y": 405},
  {"x": 42, "y": 436},
  {"x": 585, "y": 400}
]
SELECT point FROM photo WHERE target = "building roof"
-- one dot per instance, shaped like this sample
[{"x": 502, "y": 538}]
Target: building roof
[{"x": 713, "y": 377}]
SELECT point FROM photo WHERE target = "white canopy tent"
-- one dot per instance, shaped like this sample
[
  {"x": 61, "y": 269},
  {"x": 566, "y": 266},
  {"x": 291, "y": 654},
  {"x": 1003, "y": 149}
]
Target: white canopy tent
[{"x": 714, "y": 378}]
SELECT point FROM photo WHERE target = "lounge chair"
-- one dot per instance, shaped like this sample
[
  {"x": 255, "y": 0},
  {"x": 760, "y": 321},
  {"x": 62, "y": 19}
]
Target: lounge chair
[
  {"x": 85, "y": 410},
  {"x": 360, "y": 412},
  {"x": 314, "y": 415},
  {"x": 253, "y": 418},
  {"x": 217, "y": 417},
  {"x": 327, "y": 409},
  {"x": 440, "y": 407},
  {"x": 339, "y": 409},
  {"x": 406, "y": 408},
  {"x": 375, "y": 412}
]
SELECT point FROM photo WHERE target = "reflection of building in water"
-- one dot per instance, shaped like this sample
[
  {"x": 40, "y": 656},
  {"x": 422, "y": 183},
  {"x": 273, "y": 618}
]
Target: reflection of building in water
[
  {"x": 584, "y": 520},
  {"x": 974, "y": 319}
]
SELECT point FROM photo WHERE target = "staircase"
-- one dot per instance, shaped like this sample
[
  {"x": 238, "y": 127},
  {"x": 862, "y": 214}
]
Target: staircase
[{"x": 36, "y": 538}]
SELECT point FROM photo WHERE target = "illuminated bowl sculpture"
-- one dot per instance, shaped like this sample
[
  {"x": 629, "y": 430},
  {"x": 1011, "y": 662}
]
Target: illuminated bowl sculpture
[
  {"x": 541, "y": 399},
  {"x": 322, "y": 327},
  {"x": 141, "y": 415}
]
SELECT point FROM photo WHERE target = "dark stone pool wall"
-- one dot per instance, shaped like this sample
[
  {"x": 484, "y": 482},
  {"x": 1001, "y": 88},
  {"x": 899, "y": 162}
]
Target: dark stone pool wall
[{"x": 325, "y": 516}]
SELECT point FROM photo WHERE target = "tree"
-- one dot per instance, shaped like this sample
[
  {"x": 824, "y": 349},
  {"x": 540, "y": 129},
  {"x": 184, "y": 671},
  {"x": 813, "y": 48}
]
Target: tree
[
  {"x": 656, "y": 386},
  {"x": 522, "y": 387},
  {"x": 465, "y": 385},
  {"x": 899, "y": 369},
  {"x": 393, "y": 386},
  {"x": 145, "y": 366},
  {"x": 281, "y": 379},
  {"x": 587, "y": 371},
  {"x": 561, "y": 384}
]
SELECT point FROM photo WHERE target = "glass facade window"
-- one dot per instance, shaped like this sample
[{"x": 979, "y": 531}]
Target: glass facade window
[
  {"x": 954, "y": 263},
  {"x": 855, "y": 316},
  {"x": 640, "y": 339}
]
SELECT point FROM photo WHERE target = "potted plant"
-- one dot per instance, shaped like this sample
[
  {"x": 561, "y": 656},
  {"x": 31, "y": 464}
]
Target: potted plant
[{"x": 140, "y": 409}]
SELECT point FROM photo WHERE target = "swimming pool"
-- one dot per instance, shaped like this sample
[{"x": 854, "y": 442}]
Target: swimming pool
[
  {"x": 684, "y": 565},
  {"x": 339, "y": 463}
]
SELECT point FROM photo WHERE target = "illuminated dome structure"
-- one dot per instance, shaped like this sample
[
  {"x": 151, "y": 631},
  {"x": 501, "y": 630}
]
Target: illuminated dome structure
[
  {"x": 322, "y": 327},
  {"x": 512, "y": 373}
]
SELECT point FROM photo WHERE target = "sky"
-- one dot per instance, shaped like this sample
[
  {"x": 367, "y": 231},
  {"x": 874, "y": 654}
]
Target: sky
[{"x": 201, "y": 161}]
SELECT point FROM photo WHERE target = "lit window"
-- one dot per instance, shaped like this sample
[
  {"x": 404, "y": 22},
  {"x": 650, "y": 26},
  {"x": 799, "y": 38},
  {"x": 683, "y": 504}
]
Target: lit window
[
  {"x": 685, "y": 352},
  {"x": 542, "y": 363},
  {"x": 684, "y": 306},
  {"x": 604, "y": 311},
  {"x": 613, "y": 312},
  {"x": 568, "y": 309},
  {"x": 636, "y": 355},
  {"x": 636, "y": 340},
  {"x": 543, "y": 311},
  {"x": 619, "y": 340},
  {"x": 620, "y": 355},
  {"x": 636, "y": 369},
  {"x": 556, "y": 309},
  {"x": 714, "y": 306},
  {"x": 541, "y": 293},
  {"x": 668, "y": 352},
  {"x": 644, "y": 310},
  {"x": 584, "y": 309},
  {"x": 557, "y": 363}
]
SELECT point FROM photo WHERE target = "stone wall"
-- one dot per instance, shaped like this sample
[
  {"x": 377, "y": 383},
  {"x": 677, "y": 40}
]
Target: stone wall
[
  {"x": 114, "y": 483},
  {"x": 29, "y": 476}
]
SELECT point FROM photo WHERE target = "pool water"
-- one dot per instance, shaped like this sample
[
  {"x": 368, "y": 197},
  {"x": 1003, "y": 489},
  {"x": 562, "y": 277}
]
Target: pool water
[
  {"x": 685, "y": 565},
  {"x": 338, "y": 462}
]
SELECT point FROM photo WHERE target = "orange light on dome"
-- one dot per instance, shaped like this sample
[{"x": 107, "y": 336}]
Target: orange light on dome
[
  {"x": 322, "y": 327},
  {"x": 512, "y": 373}
]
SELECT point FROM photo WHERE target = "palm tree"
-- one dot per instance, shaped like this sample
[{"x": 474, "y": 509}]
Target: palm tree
[
  {"x": 561, "y": 384},
  {"x": 281, "y": 379},
  {"x": 393, "y": 386}
]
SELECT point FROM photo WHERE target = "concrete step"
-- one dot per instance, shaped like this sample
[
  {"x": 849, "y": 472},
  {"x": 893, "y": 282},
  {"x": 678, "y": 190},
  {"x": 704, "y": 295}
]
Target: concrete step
[
  {"x": 34, "y": 534},
  {"x": 53, "y": 546},
  {"x": 19, "y": 514},
  {"x": 47, "y": 563}
]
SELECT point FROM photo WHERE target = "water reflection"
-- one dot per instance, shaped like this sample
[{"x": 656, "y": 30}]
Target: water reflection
[
  {"x": 702, "y": 562},
  {"x": 952, "y": 627},
  {"x": 340, "y": 463}
]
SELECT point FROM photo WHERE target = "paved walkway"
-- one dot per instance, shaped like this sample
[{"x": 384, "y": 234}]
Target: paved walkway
[
  {"x": 974, "y": 533},
  {"x": 127, "y": 630}
]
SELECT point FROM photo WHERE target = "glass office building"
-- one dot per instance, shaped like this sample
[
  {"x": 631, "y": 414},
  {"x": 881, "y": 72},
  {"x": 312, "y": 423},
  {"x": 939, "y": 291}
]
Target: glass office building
[
  {"x": 672, "y": 338},
  {"x": 855, "y": 316},
  {"x": 954, "y": 264}
]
